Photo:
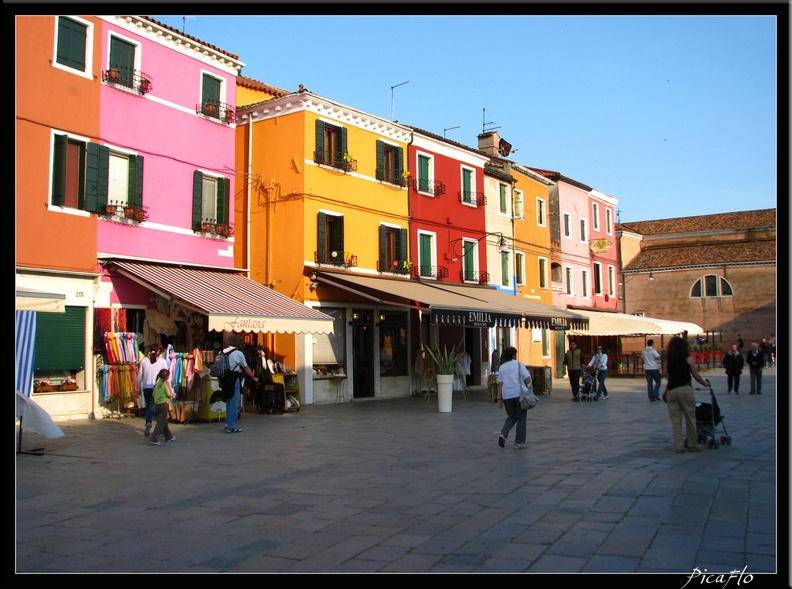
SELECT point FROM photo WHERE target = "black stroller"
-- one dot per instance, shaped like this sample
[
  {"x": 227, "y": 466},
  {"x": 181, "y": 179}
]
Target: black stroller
[
  {"x": 708, "y": 418},
  {"x": 588, "y": 387}
]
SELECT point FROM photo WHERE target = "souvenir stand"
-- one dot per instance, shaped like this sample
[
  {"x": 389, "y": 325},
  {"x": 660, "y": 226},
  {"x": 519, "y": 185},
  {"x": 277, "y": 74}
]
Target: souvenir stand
[{"x": 118, "y": 374}]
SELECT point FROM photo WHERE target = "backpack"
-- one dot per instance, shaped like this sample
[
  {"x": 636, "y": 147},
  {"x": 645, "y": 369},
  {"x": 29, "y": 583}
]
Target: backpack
[{"x": 221, "y": 365}]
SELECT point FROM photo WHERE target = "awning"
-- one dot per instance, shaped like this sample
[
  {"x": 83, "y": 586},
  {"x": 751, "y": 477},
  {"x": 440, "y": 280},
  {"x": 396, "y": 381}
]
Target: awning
[
  {"x": 604, "y": 323},
  {"x": 445, "y": 307},
  {"x": 534, "y": 314},
  {"x": 232, "y": 302},
  {"x": 28, "y": 299}
]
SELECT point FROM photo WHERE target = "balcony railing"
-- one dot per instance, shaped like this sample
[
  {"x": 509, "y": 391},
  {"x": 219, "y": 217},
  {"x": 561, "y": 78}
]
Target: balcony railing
[
  {"x": 128, "y": 79},
  {"x": 393, "y": 177},
  {"x": 335, "y": 258},
  {"x": 430, "y": 272},
  {"x": 472, "y": 198},
  {"x": 335, "y": 159},
  {"x": 433, "y": 187},
  {"x": 474, "y": 276},
  {"x": 394, "y": 266},
  {"x": 214, "y": 109}
]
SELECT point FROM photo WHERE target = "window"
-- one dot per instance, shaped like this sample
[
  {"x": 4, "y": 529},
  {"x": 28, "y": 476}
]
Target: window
[
  {"x": 330, "y": 348},
  {"x": 503, "y": 201},
  {"x": 60, "y": 341},
  {"x": 330, "y": 239},
  {"x": 595, "y": 216},
  {"x": 505, "y": 269},
  {"x": 393, "y": 250},
  {"x": 390, "y": 163},
  {"x": 468, "y": 187},
  {"x": 570, "y": 282},
  {"x": 546, "y": 343},
  {"x": 469, "y": 260},
  {"x": 713, "y": 286},
  {"x": 555, "y": 273},
  {"x": 543, "y": 276},
  {"x": 597, "y": 278},
  {"x": 426, "y": 255},
  {"x": 612, "y": 280},
  {"x": 393, "y": 343},
  {"x": 89, "y": 176},
  {"x": 210, "y": 200},
  {"x": 518, "y": 204},
  {"x": 584, "y": 283},
  {"x": 567, "y": 225},
  {"x": 122, "y": 59},
  {"x": 210, "y": 95},
  {"x": 541, "y": 214},
  {"x": 519, "y": 268},
  {"x": 609, "y": 221},
  {"x": 583, "y": 230},
  {"x": 424, "y": 170},
  {"x": 73, "y": 43}
]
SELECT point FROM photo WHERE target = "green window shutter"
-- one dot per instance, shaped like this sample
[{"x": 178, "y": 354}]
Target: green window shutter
[
  {"x": 320, "y": 155},
  {"x": 122, "y": 58},
  {"x": 60, "y": 340},
  {"x": 71, "y": 43},
  {"x": 338, "y": 234},
  {"x": 321, "y": 227},
  {"x": 210, "y": 91},
  {"x": 135, "y": 185},
  {"x": 467, "y": 183},
  {"x": 59, "y": 170},
  {"x": 505, "y": 269},
  {"x": 469, "y": 261},
  {"x": 398, "y": 163},
  {"x": 426, "y": 254},
  {"x": 197, "y": 211},
  {"x": 97, "y": 177},
  {"x": 343, "y": 147},
  {"x": 223, "y": 206},
  {"x": 380, "y": 160},
  {"x": 401, "y": 245},
  {"x": 383, "y": 248}
]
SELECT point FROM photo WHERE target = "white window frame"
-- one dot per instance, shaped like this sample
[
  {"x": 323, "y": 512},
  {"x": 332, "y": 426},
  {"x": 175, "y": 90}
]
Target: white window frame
[
  {"x": 595, "y": 216},
  {"x": 138, "y": 48},
  {"x": 569, "y": 279},
  {"x": 543, "y": 265},
  {"x": 433, "y": 252},
  {"x": 541, "y": 212},
  {"x": 462, "y": 170},
  {"x": 583, "y": 230},
  {"x": 519, "y": 204},
  {"x": 519, "y": 263},
  {"x": 612, "y": 280},
  {"x": 597, "y": 278},
  {"x": 89, "y": 43},
  {"x": 585, "y": 284},
  {"x": 430, "y": 171},
  {"x": 506, "y": 200},
  {"x": 473, "y": 251},
  {"x": 609, "y": 220},
  {"x": 222, "y": 93},
  {"x": 566, "y": 227}
]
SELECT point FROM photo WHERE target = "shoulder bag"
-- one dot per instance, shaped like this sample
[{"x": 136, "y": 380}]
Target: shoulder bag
[{"x": 527, "y": 398}]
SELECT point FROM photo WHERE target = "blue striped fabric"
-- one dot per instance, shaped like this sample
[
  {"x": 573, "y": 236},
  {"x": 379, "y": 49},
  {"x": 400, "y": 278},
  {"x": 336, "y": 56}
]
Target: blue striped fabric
[{"x": 25, "y": 350}]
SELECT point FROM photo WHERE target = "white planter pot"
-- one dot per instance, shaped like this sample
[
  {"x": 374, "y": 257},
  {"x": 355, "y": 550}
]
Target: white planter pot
[{"x": 445, "y": 389}]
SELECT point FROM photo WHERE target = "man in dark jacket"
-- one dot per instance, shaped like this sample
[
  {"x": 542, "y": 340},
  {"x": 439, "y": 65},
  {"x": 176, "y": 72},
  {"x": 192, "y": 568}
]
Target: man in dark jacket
[
  {"x": 733, "y": 364},
  {"x": 755, "y": 361},
  {"x": 573, "y": 360}
]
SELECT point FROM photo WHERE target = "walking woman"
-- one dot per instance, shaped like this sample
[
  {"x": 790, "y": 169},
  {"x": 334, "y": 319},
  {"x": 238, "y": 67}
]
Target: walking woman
[
  {"x": 162, "y": 396},
  {"x": 510, "y": 373},
  {"x": 679, "y": 395}
]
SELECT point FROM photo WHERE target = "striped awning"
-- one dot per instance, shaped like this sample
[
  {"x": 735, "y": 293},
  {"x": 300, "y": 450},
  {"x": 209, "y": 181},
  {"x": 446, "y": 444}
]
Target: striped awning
[{"x": 232, "y": 302}]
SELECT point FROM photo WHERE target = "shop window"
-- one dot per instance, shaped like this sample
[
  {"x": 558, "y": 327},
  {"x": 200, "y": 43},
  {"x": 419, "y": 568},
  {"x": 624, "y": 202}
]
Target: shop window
[
  {"x": 210, "y": 200},
  {"x": 393, "y": 343},
  {"x": 330, "y": 348},
  {"x": 712, "y": 286}
]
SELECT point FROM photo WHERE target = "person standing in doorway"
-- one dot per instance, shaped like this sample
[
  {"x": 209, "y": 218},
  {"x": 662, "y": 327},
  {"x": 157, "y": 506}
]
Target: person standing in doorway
[
  {"x": 238, "y": 366},
  {"x": 162, "y": 396},
  {"x": 510, "y": 374},
  {"x": 651, "y": 370},
  {"x": 679, "y": 394},
  {"x": 755, "y": 361},
  {"x": 148, "y": 369},
  {"x": 733, "y": 365},
  {"x": 573, "y": 360},
  {"x": 599, "y": 362}
]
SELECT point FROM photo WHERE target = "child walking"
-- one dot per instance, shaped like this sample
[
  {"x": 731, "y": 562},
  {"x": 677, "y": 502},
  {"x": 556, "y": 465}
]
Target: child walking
[{"x": 162, "y": 395}]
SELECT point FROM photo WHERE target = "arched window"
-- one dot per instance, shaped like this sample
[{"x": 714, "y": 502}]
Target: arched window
[{"x": 711, "y": 285}]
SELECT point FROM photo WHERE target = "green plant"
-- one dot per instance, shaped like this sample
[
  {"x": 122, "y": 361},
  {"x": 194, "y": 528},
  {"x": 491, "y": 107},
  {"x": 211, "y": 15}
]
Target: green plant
[{"x": 445, "y": 359}]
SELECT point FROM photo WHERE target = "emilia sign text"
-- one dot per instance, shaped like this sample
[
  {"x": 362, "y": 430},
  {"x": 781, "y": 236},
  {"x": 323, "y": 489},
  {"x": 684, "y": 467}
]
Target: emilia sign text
[{"x": 721, "y": 579}]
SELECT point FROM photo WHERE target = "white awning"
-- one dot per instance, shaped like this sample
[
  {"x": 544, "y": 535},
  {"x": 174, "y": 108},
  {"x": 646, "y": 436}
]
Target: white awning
[
  {"x": 603, "y": 323},
  {"x": 28, "y": 299}
]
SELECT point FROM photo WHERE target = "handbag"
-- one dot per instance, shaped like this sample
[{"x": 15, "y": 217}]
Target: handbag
[{"x": 527, "y": 398}]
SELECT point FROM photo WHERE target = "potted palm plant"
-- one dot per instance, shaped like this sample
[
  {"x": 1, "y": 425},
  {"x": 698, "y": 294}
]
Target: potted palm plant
[{"x": 446, "y": 366}]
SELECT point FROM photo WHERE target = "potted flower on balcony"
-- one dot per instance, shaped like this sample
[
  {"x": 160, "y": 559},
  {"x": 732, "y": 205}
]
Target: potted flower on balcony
[
  {"x": 145, "y": 85},
  {"x": 141, "y": 214},
  {"x": 206, "y": 225},
  {"x": 129, "y": 212},
  {"x": 43, "y": 386},
  {"x": 224, "y": 230},
  {"x": 111, "y": 208},
  {"x": 113, "y": 74},
  {"x": 210, "y": 108}
]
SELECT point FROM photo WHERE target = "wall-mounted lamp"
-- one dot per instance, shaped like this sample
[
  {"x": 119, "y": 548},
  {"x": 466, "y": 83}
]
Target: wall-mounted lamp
[
  {"x": 651, "y": 276},
  {"x": 314, "y": 285},
  {"x": 502, "y": 247}
]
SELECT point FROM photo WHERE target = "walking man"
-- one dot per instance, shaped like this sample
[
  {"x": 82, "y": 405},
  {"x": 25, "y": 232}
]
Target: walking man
[
  {"x": 755, "y": 363},
  {"x": 573, "y": 360},
  {"x": 652, "y": 371},
  {"x": 733, "y": 365}
]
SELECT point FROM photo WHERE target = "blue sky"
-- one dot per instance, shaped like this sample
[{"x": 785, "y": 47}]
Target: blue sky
[{"x": 671, "y": 115}]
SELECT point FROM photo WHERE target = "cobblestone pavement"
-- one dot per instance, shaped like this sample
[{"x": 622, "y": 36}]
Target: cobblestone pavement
[{"x": 394, "y": 486}]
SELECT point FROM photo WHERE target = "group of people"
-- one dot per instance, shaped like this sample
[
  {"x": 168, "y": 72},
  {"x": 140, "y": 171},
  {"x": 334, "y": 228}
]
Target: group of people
[
  {"x": 153, "y": 380},
  {"x": 598, "y": 365}
]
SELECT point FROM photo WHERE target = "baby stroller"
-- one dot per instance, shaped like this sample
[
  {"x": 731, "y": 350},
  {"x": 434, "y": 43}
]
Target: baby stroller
[
  {"x": 708, "y": 418},
  {"x": 588, "y": 387}
]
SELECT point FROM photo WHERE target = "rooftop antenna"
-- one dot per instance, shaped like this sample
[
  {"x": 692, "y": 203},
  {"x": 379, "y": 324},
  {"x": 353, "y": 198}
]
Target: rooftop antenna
[
  {"x": 184, "y": 23},
  {"x": 450, "y": 129},
  {"x": 485, "y": 123},
  {"x": 392, "y": 87}
]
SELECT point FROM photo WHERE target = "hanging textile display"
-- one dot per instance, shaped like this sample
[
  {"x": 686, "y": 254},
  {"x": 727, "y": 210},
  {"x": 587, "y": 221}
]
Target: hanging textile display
[{"x": 119, "y": 382}]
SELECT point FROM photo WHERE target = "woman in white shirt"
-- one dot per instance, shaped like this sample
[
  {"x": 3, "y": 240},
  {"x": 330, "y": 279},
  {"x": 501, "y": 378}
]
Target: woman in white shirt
[
  {"x": 599, "y": 362},
  {"x": 510, "y": 373}
]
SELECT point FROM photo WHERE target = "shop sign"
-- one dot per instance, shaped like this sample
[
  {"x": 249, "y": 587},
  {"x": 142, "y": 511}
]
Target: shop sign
[
  {"x": 558, "y": 323},
  {"x": 600, "y": 246}
]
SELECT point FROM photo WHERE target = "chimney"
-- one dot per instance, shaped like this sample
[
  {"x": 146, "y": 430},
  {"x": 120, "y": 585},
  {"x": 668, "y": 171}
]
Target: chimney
[{"x": 489, "y": 143}]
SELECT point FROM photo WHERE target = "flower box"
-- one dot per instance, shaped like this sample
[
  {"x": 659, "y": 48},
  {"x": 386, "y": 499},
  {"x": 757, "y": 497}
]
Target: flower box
[
  {"x": 141, "y": 215},
  {"x": 67, "y": 387},
  {"x": 129, "y": 212},
  {"x": 113, "y": 74},
  {"x": 111, "y": 209},
  {"x": 210, "y": 108},
  {"x": 45, "y": 388},
  {"x": 206, "y": 227},
  {"x": 145, "y": 85},
  {"x": 224, "y": 230}
]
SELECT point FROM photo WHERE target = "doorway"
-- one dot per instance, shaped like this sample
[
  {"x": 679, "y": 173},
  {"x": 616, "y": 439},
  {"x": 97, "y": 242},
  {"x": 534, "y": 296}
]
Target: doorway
[{"x": 362, "y": 353}]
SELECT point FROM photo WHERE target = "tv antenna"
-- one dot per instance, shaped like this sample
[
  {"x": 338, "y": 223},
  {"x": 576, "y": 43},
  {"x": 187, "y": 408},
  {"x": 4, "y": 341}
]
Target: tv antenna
[
  {"x": 184, "y": 23},
  {"x": 392, "y": 87},
  {"x": 485, "y": 123},
  {"x": 450, "y": 129}
]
